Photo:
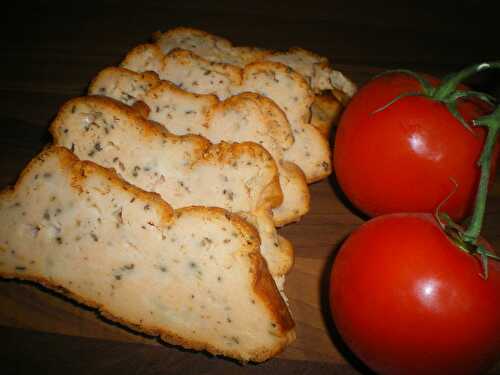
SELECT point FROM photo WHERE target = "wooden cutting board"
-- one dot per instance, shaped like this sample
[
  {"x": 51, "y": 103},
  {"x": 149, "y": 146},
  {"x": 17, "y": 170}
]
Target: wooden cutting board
[
  {"x": 26, "y": 305},
  {"x": 316, "y": 239},
  {"x": 49, "y": 57}
]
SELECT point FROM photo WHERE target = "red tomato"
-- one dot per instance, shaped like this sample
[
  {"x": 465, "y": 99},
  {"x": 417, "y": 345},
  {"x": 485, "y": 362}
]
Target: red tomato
[
  {"x": 406, "y": 157},
  {"x": 407, "y": 301}
]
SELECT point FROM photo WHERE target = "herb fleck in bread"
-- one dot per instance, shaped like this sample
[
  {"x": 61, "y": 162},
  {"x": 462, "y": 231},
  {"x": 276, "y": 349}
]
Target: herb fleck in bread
[
  {"x": 330, "y": 87},
  {"x": 184, "y": 170},
  {"x": 78, "y": 228},
  {"x": 127, "y": 88},
  {"x": 324, "y": 80},
  {"x": 288, "y": 89},
  {"x": 209, "y": 46},
  {"x": 316, "y": 69},
  {"x": 240, "y": 118},
  {"x": 188, "y": 71}
]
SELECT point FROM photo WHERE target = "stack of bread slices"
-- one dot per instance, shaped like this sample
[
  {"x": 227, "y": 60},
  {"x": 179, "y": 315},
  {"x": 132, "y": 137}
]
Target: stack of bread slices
[{"x": 158, "y": 201}]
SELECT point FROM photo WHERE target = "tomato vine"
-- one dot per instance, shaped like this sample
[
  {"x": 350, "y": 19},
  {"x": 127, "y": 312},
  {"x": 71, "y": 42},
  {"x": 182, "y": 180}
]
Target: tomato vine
[
  {"x": 448, "y": 94},
  {"x": 400, "y": 284}
]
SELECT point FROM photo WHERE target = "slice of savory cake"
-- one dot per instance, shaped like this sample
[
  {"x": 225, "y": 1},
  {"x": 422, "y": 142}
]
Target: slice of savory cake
[
  {"x": 193, "y": 276},
  {"x": 184, "y": 170},
  {"x": 240, "y": 118}
]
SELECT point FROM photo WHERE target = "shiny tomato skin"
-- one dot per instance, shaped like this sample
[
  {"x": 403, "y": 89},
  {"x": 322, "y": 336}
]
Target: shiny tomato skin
[
  {"x": 409, "y": 156},
  {"x": 407, "y": 301}
]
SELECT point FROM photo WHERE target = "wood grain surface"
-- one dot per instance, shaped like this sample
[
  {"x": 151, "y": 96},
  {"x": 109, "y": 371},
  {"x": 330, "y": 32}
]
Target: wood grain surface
[{"x": 50, "y": 52}]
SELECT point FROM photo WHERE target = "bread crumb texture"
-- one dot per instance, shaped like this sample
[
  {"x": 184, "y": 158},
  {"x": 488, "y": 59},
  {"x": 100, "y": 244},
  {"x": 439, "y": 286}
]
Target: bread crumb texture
[
  {"x": 288, "y": 89},
  {"x": 246, "y": 117},
  {"x": 194, "y": 276},
  {"x": 184, "y": 170}
]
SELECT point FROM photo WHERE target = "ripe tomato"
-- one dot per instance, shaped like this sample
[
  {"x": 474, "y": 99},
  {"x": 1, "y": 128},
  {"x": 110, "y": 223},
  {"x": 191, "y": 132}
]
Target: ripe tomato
[
  {"x": 409, "y": 156},
  {"x": 407, "y": 301}
]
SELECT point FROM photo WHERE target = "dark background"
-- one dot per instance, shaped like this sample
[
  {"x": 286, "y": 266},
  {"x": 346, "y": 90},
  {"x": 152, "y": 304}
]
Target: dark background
[{"x": 50, "y": 51}]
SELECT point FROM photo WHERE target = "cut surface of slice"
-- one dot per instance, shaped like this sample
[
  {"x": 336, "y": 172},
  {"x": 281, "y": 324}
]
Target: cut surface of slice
[
  {"x": 81, "y": 230},
  {"x": 184, "y": 170}
]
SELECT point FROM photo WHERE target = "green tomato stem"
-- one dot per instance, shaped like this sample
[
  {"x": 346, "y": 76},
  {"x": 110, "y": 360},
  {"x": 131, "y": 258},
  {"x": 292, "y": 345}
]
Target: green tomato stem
[
  {"x": 449, "y": 84},
  {"x": 492, "y": 122},
  {"x": 448, "y": 94}
]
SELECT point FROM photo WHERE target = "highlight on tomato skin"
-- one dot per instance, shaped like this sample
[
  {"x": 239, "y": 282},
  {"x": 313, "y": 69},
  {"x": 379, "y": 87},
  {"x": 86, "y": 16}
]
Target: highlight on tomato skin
[
  {"x": 411, "y": 155},
  {"x": 406, "y": 300}
]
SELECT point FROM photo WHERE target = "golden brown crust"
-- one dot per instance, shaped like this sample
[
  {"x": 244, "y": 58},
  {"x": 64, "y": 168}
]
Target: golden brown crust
[
  {"x": 141, "y": 108},
  {"x": 260, "y": 188},
  {"x": 148, "y": 128},
  {"x": 287, "y": 216},
  {"x": 249, "y": 53},
  {"x": 271, "y": 196},
  {"x": 183, "y": 55},
  {"x": 263, "y": 283},
  {"x": 266, "y": 289},
  {"x": 81, "y": 169},
  {"x": 264, "y": 286},
  {"x": 326, "y": 110},
  {"x": 265, "y": 65},
  {"x": 246, "y": 55},
  {"x": 151, "y": 49},
  {"x": 287, "y": 248},
  {"x": 165, "y": 334},
  {"x": 150, "y": 77},
  {"x": 294, "y": 169},
  {"x": 312, "y": 54},
  {"x": 275, "y": 119},
  {"x": 170, "y": 87}
]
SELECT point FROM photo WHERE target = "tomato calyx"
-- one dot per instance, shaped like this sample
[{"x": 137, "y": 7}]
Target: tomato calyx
[
  {"x": 446, "y": 92},
  {"x": 468, "y": 240},
  {"x": 457, "y": 235}
]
